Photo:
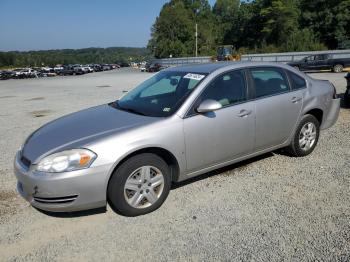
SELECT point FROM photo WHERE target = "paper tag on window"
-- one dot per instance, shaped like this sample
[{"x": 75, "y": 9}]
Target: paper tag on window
[
  {"x": 197, "y": 77},
  {"x": 166, "y": 109}
]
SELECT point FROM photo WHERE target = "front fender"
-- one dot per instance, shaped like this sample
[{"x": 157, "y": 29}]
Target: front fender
[{"x": 167, "y": 135}]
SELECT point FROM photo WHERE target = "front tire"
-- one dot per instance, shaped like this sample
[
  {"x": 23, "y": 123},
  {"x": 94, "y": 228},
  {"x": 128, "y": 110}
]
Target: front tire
[
  {"x": 140, "y": 185},
  {"x": 305, "y": 138}
]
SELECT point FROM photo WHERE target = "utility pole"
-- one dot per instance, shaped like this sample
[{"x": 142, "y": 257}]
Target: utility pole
[
  {"x": 196, "y": 11},
  {"x": 196, "y": 40}
]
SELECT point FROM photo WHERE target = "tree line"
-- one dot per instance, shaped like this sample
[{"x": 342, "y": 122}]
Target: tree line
[
  {"x": 73, "y": 56},
  {"x": 256, "y": 26}
]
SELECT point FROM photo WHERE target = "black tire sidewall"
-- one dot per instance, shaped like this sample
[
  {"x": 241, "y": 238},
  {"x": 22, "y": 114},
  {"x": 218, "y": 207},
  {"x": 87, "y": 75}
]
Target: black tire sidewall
[
  {"x": 347, "y": 96},
  {"x": 115, "y": 190},
  {"x": 295, "y": 144}
]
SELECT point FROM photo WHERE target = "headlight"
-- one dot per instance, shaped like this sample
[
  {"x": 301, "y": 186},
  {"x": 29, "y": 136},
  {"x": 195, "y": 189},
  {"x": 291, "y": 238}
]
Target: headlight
[{"x": 69, "y": 160}]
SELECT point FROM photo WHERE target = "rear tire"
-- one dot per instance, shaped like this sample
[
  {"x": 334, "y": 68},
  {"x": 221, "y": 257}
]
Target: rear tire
[
  {"x": 305, "y": 138},
  {"x": 140, "y": 185},
  {"x": 347, "y": 96},
  {"x": 338, "y": 68}
]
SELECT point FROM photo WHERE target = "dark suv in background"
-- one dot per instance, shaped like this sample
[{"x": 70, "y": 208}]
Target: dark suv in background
[
  {"x": 4, "y": 75},
  {"x": 154, "y": 67},
  {"x": 334, "y": 62}
]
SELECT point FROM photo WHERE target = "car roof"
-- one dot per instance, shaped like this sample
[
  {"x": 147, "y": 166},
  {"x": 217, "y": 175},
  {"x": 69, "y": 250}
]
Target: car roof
[{"x": 211, "y": 67}]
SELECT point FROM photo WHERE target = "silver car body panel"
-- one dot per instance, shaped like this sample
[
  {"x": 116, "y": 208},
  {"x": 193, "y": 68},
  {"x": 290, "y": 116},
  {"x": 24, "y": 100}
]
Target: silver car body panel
[
  {"x": 199, "y": 143},
  {"x": 78, "y": 129},
  {"x": 204, "y": 143}
]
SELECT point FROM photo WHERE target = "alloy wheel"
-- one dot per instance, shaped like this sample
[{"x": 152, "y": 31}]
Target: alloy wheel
[
  {"x": 338, "y": 69},
  {"x": 307, "y": 136},
  {"x": 143, "y": 187}
]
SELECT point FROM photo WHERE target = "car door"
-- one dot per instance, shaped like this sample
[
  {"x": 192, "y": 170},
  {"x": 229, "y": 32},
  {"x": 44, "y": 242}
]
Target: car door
[
  {"x": 277, "y": 108},
  {"x": 224, "y": 134},
  {"x": 321, "y": 62},
  {"x": 309, "y": 63}
]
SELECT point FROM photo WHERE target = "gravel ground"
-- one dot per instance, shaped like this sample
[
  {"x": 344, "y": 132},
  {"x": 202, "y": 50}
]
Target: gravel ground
[{"x": 270, "y": 208}]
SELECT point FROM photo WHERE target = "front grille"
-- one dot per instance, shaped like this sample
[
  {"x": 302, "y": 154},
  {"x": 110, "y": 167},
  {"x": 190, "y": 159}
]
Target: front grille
[
  {"x": 56, "y": 200},
  {"x": 25, "y": 161}
]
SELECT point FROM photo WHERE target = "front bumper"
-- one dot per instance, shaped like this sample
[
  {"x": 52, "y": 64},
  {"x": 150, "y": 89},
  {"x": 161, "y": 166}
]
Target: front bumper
[{"x": 62, "y": 192}]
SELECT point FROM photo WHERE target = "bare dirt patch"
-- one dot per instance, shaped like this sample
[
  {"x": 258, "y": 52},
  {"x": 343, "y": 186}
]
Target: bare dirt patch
[
  {"x": 40, "y": 113},
  {"x": 7, "y": 198},
  {"x": 36, "y": 98},
  {"x": 3, "y": 97},
  {"x": 6, "y": 195}
]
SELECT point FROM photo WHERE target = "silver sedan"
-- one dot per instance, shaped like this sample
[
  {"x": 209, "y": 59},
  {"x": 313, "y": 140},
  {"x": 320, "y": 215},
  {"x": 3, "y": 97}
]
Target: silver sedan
[{"x": 180, "y": 123}]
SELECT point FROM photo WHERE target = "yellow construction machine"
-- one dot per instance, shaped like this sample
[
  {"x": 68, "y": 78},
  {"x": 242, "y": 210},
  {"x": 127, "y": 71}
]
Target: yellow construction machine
[{"x": 226, "y": 53}]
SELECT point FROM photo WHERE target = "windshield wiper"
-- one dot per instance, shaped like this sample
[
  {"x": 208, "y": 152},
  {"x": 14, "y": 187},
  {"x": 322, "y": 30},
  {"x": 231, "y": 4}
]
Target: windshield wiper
[{"x": 131, "y": 110}]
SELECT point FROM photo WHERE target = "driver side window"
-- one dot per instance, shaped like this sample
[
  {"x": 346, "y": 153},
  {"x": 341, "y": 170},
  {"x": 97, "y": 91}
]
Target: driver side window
[
  {"x": 310, "y": 58},
  {"x": 227, "y": 89}
]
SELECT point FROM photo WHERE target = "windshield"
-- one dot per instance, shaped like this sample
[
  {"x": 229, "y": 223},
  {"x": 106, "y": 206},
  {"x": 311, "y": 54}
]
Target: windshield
[
  {"x": 160, "y": 95},
  {"x": 224, "y": 51}
]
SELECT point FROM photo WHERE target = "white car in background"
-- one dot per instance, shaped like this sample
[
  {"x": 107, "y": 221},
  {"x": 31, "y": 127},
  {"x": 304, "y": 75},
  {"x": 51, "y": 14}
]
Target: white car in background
[
  {"x": 58, "y": 68},
  {"x": 143, "y": 68},
  {"x": 87, "y": 69},
  {"x": 25, "y": 73}
]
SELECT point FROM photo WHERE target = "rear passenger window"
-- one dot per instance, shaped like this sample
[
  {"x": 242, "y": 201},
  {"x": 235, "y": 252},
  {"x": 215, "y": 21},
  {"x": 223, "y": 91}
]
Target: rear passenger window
[
  {"x": 296, "y": 81},
  {"x": 269, "y": 81}
]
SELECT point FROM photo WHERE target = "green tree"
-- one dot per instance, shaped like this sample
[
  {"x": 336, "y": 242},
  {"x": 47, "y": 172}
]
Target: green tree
[
  {"x": 280, "y": 20},
  {"x": 301, "y": 40},
  {"x": 71, "y": 56},
  {"x": 173, "y": 32},
  {"x": 227, "y": 16},
  {"x": 329, "y": 20}
]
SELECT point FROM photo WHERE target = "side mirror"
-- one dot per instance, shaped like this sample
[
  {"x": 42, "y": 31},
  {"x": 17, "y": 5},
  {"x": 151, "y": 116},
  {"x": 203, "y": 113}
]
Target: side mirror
[{"x": 208, "y": 105}]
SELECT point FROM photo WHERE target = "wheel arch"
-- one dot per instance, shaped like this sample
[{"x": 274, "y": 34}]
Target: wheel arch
[
  {"x": 317, "y": 113},
  {"x": 163, "y": 153}
]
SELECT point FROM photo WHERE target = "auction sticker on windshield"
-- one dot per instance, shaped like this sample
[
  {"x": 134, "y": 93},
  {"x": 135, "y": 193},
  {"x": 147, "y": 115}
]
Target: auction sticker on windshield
[{"x": 194, "y": 76}]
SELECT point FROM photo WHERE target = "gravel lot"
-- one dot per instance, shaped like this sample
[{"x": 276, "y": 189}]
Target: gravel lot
[{"x": 270, "y": 208}]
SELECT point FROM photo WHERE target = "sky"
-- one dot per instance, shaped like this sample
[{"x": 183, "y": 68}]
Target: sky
[{"x": 45, "y": 24}]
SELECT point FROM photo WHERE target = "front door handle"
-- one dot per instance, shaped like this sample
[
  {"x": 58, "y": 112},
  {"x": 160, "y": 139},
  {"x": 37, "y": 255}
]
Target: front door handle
[
  {"x": 244, "y": 113},
  {"x": 295, "y": 99}
]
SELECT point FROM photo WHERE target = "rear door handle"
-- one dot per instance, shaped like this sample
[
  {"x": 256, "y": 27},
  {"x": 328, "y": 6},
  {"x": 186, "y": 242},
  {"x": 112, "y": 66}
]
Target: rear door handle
[
  {"x": 244, "y": 113},
  {"x": 296, "y": 99}
]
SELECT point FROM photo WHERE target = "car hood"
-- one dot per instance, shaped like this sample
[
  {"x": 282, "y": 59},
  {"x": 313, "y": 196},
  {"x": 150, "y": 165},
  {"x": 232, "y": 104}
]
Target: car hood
[{"x": 80, "y": 128}]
